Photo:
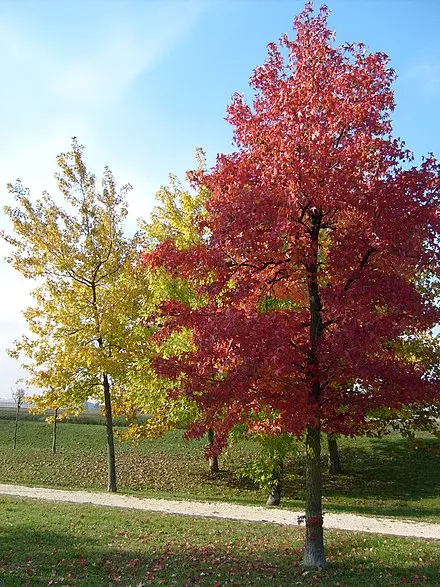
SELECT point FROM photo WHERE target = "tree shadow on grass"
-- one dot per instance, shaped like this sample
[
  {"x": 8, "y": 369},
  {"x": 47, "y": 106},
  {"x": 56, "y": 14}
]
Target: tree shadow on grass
[
  {"x": 53, "y": 558},
  {"x": 389, "y": 468},
  {"x": 387, "y": 477},
  {"x": 380, "y": 477}
]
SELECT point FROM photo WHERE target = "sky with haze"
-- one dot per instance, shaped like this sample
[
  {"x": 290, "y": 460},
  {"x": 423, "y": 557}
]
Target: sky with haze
[{"x": 143, "y": 83}]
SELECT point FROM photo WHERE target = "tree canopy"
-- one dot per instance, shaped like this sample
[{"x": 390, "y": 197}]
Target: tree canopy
[
  {"x": 320, "y": 210},
  {"x": 80, "y": 337}
]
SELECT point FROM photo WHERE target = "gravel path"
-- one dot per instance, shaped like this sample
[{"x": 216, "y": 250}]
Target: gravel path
[{"x": 228, "y": 511}]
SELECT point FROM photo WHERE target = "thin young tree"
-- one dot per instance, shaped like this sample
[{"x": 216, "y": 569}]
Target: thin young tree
[
  {"x": 54, "y": 431},
  {"x": 18, "y": 396},
  {"x": 78, "y": 253}
]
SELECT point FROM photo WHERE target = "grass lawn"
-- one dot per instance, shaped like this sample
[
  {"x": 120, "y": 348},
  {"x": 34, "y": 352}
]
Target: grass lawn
[
  {"x": 68, "y": 544},
  {"x": 386, "y": 477}
]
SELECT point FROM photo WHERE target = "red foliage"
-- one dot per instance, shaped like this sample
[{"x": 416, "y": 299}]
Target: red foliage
[{"x": 318, "y": 206}]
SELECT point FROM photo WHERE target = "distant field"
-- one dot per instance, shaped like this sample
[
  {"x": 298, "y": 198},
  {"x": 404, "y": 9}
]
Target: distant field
[
  {"x": 86, "y": 417},
  {"x": 381, "y": 476},
  {"x": 71, "y": 545}
]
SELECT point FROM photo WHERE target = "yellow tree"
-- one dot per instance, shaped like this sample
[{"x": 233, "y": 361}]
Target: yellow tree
[
  {"x": 80, "y": 338},
  {"x": 173, "y": 218}
]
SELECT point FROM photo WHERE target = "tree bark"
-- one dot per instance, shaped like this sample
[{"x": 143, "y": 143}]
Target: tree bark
[
  {"x": 334, "y": 461},
  {"x": 54, "y": 432},
  {"x": 314, "y": 554},
  {"x": 274, "y": 497},
  {"x": 111, "y": 460},
  {"x": 212, "y": 461}
]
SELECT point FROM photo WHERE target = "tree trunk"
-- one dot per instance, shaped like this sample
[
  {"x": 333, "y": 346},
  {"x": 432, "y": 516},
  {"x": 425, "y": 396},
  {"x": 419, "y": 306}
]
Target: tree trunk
[
  {"x": 277, "y": 480},
  {"x": 314, "y": 555},
  {"x": 54, "y": 432},
  {"x": 111, "y": 461},
  {"x": 212, "y": 461},
  {"x": 334, "y": 461}
]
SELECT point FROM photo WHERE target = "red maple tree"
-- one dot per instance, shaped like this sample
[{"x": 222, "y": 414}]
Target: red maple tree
[{"x": 317, "y": 229}]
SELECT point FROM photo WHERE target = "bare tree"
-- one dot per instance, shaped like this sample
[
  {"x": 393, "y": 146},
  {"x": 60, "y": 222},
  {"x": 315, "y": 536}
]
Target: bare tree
[{"x": 18, "y": 396}]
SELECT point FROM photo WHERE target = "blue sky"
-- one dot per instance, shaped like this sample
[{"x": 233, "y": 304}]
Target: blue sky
[{"x": 143, "y": 83}]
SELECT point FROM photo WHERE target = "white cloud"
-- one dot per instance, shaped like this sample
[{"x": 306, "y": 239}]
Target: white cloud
[
  {"x": 129, "y": 48},
  {"x": 52, "y": 91},
  {"x": 128, "y": 42}
]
